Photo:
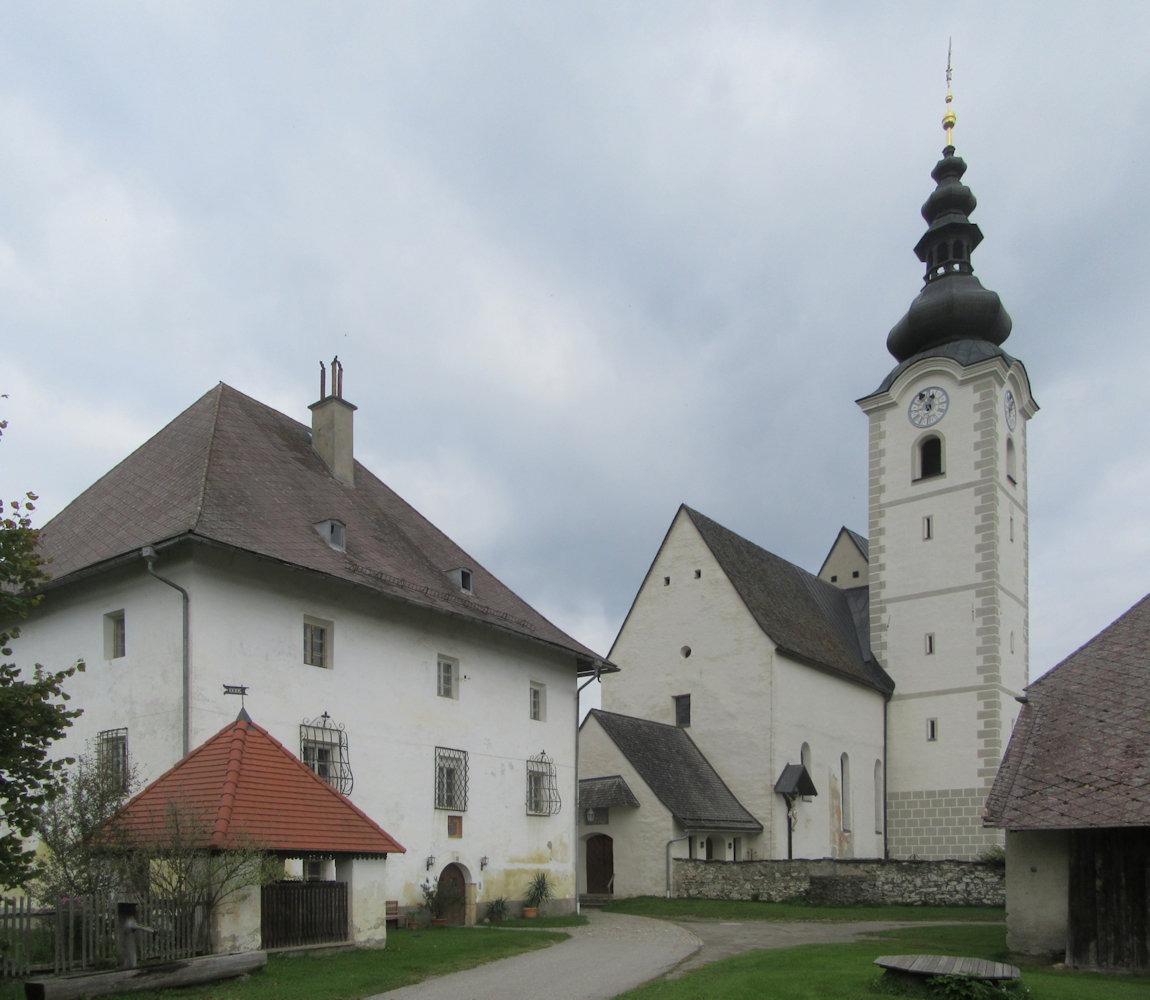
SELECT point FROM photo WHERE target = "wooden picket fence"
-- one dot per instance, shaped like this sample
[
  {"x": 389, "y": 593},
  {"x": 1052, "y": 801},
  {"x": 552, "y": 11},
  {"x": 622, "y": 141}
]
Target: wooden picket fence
[{"x": 80, "y": 934}]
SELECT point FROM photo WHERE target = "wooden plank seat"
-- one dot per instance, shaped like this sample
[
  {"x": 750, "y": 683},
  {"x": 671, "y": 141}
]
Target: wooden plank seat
[
  {"x": 392, "y": 915},
  {"x": 917, "y": 968}
]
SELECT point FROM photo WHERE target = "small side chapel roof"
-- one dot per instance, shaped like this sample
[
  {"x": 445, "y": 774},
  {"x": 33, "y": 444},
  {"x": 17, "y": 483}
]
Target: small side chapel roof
[
  {"x": 1079, "y": 756},
  {"x": 231, "y": 471},
  {"x": 805, "y": 617},
  {"x": 603, "y": 793},
  {"x": 676, "y": 771},
  {"x": 242, "y": 788}
]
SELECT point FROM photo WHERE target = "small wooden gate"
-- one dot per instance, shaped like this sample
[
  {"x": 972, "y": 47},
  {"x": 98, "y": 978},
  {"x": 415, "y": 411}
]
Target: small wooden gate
[{"x": 301, "y": 913}]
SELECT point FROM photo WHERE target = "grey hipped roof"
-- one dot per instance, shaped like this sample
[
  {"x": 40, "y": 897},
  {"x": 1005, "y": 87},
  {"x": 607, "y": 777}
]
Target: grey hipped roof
[
  {"x": 233, "y": 472},
  {"x": 805, "y": 617},
  {"x": 675, "y": 770},
  {"x": 1080, "y": 753}
]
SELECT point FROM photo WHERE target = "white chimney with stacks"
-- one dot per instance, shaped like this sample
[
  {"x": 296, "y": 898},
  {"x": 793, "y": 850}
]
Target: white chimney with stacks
[{"x": 331, "y": 425}]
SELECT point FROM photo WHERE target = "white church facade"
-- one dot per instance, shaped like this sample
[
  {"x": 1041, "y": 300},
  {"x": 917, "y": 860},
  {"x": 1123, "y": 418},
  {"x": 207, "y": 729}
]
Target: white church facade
[{"x": 861, "y": 712}]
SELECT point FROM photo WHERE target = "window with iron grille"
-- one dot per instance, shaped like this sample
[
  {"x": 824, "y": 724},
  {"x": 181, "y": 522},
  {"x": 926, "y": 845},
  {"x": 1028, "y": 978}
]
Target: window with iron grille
[
  {"x": 542, "y": 786},
  {"x": 112, "y": 755},
  {"x": 450, "y": 779},
  {"x": 323, "y": 748}
]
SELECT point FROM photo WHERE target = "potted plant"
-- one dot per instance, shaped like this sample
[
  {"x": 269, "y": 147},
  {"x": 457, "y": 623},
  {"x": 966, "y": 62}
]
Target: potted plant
[
  {"x": 497, "y": 910},
  {"x": 538, "y": 892},
  {"x": 438, "y": 901}
]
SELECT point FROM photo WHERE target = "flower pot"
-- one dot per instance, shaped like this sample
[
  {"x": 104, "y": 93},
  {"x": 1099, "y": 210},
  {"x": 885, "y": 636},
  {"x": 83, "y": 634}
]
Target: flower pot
[
  {"x": 531, "y": 911},
  {"x": 439, "y": 922}
]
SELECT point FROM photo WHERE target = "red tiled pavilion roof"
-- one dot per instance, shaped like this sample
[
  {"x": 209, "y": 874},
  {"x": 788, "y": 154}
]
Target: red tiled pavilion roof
[{"x": 243, "y": 788}]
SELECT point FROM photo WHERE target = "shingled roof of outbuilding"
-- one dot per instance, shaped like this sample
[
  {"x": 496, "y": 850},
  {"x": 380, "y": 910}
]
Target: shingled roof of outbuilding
[
  {"x": 244, "y": 789},
  {"x": 805, "y": 617},
  {"x": 233, "y": 472},
  {"x": 674, "y": 768},
  {"x": 1079, "y": 756}
]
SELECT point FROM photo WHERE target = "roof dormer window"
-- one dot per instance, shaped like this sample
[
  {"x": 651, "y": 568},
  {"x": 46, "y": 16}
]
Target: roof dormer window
[
  {"x": 462, "y": 578},
  {"x": 334, "y": 533}
]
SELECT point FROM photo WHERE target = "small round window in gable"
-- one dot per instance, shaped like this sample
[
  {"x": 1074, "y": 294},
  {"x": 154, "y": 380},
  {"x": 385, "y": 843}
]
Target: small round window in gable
[{"x": 685, "y": 652}]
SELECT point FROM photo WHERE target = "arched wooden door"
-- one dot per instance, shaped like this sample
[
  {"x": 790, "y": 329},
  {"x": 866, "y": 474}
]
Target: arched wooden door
[
  {"x": 600, "y": 864},
  {"x": 454, "y": 886}
]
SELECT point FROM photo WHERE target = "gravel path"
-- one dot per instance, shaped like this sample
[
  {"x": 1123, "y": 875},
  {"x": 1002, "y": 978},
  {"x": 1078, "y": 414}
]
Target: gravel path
[
  {"x": 610, "y": 955},
  {"x": 616, "y": 952}
]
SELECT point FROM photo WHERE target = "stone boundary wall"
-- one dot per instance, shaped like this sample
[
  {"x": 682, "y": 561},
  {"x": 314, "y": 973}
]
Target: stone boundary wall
[{"x": 829, "y": 882}]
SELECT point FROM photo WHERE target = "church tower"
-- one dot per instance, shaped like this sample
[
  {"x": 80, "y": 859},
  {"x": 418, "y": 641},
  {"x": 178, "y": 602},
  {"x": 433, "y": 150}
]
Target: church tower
[{"x": 948, "y": 537}]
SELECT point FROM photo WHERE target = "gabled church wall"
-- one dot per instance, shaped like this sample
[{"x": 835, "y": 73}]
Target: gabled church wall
[{"x": 687, "y": 604}]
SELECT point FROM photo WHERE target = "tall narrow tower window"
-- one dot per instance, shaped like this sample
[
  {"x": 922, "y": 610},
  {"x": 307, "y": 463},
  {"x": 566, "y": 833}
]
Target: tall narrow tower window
[
  {"x": 1011, "y": 461},
  {"x": 930, "y": 458}
]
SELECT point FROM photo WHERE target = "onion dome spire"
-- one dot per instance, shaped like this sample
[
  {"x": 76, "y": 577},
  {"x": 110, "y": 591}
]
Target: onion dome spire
[{"x": 952, "y": 305}]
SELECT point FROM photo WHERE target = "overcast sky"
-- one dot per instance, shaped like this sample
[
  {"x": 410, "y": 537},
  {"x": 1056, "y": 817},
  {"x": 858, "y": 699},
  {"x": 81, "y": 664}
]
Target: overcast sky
[{"x": 583, "y": 261}]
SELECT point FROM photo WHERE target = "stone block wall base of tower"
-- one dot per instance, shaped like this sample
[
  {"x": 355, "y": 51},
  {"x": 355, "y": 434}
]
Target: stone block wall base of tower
[{"x": 939, "y": 823}]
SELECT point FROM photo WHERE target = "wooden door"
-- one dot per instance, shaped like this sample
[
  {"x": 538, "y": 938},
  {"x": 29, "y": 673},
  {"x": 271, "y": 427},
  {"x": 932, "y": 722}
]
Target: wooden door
[
  {"x": 1109, "y": 914},
  {"x": 452, "y": 882},
  {"x": 600, "y": 864}
]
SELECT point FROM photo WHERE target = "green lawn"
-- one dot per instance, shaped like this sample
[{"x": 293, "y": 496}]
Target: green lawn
[
  {"x": 410, "y": 956},
  {"x": 847, "y": 972},
  {"x": 724, "y": 909}
]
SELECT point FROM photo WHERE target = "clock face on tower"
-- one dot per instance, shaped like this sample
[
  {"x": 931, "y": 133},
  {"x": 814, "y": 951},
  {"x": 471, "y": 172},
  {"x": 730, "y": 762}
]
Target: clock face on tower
[
  {"x": 928, "y": 407},
  {"x": 1011, "y": 409}
]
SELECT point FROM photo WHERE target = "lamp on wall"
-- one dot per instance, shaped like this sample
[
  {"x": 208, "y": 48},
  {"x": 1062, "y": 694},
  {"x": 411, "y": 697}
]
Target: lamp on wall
[
  {"x": 483, "y": 863},
  {"x": 590, "y": 814},
  {"x": 430, "y": 861}
]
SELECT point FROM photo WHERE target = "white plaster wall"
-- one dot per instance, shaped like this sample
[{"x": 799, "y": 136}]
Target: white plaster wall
[
  {"x": 247, "y": 623},
  {"x": 639, "y": 836},
  {"x": 1037, "y": 891},
  {"x": 236, "y": 922},
  {"x": 947, "y": 762},
  {"x": 727, "y": 674},
  {"x": 834, "y": 717}
]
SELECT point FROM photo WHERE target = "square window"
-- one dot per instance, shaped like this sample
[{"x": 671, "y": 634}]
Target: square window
[
  {"x": 682, "y": 710},
  {"x": 318, "y": 758},
  {"x": 450, "y": 779},
  {"x": 538, "y": 701},
  {"x": 455, "y": 826},
  {"x": 115, "y": 636},
  {"x": 317, "y": 642},
  {"x": 447, "y": 677}
]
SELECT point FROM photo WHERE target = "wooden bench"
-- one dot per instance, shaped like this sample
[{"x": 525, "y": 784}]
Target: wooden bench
[
  {"x": 393, "y": 916},
  {"x": 919, "y": 968}
]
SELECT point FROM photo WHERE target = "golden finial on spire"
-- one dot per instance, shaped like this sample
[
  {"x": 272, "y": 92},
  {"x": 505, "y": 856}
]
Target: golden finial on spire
[{"x": 949, "y": 118}]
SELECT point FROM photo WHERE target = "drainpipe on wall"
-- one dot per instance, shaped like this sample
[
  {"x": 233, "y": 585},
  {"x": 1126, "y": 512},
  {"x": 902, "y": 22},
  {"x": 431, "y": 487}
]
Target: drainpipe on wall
[
  {"x": 667, "y": 848},
  {"x": 148, "y": 553},
  {"x": 575, "y": 840}
]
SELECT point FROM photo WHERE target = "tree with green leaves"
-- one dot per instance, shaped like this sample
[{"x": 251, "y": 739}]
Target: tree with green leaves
[
  {"x": 33, "y": 707},
  {"x": 81, "y": 858}
]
